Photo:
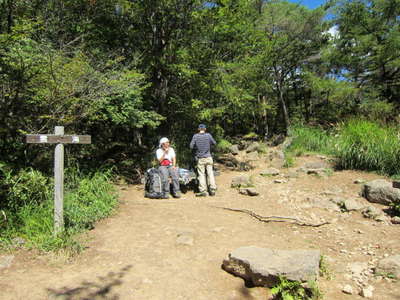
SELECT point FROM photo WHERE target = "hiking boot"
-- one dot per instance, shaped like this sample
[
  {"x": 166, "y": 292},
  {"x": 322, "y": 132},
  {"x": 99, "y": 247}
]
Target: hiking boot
[
  {"x": 201, "y": 194},
  {"x": 177, "y": 195},
  {"x": 212, "y": 192},
  {"x": 165, "y": 196}
]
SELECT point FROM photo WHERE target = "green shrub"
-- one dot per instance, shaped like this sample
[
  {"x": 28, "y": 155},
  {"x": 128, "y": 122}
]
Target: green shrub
[
  {"x": 93, "y": 199},
  {"x": 223, "y": 146},
  {"x": 368, "y": 146},
  {"x": 28, "y": 187},
  {"x": 87, "y": 199}
]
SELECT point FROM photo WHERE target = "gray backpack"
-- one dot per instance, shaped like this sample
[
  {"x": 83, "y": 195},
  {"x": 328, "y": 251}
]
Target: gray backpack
[{"x": 153, "y": 185}]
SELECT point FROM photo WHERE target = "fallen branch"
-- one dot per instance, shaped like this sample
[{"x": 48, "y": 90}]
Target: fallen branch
[{"x": 268, "y": 219}]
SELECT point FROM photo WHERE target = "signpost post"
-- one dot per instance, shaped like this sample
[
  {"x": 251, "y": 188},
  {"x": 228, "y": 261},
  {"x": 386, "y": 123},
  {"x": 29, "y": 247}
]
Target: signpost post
[{"x": 60, "y": 139}]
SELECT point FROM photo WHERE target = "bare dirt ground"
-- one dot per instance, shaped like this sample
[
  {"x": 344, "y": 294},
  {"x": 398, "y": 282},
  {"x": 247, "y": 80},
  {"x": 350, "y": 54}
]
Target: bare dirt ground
[{"x": 173, "y": 249}]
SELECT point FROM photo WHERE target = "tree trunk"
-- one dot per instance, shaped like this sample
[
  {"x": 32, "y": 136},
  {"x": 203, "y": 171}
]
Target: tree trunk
[{"x": 282, "y": 103}]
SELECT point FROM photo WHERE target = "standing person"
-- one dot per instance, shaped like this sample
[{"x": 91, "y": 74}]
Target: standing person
[
  {"x": 167, "y": 160},
  {"x": 202, "y": 142}
]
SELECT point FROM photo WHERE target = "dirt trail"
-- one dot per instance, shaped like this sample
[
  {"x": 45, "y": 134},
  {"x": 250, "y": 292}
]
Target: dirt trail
[{"x": 136, "y": 254}]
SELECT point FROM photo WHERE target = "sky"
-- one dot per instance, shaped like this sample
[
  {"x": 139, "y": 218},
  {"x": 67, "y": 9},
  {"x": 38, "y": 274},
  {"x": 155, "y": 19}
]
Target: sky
[{"x": 309, "y": 3}]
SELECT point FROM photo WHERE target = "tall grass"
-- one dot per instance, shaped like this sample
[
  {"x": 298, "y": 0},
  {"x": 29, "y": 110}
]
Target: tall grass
[
  {"x": 356, "y": 144},
  {"x": 369, "y": 146},
  {"x": 87, "y": 199},
  {"x": 311, "y": 139}
]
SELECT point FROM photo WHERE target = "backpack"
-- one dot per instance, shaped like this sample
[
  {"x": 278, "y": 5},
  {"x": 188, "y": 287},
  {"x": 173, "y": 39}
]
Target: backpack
[{"x": 153, "y": 185}]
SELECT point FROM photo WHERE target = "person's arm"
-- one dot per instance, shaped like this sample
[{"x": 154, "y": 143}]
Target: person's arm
[
  {"x": 173, "y": 158},
  {"x": 212, "y": 139},
  {"x": 193, "y": 142},
  {"x": 161, "y": 154}
]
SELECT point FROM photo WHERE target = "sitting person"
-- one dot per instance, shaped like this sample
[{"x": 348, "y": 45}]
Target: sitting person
[{"x": 167, "y": 160}]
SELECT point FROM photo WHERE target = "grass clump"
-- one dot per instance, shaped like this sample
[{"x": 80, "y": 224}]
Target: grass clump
[
  {"x": 295, "y": 290},
  {"x": 87, "y": 199},
  {"x": 365, "y": 145}
]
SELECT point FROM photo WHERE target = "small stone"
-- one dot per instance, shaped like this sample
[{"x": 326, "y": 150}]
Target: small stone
[
  {"x": 279, "y": 181},
  {"x": 395, "y": 220},
  {"x": 347, "y": 289},
  {"x": 367, "y": 291},
  {"x": 185, "y": 238},
  {"x": 249, "y": 191},
  {"x": 6, "y": 261},
  {"x": 359, "y": 181},
  {"x": 18, "y": 241},
  {"x": 218, "y": 229},
  {"x": 270, "y": 172}
]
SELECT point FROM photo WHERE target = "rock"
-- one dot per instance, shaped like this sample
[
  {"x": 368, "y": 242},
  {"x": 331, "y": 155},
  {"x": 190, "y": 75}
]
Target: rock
[
  {"x": 366, "y": 292},
  {"x": 395, "y": 220},
  {"x": 253, "y": 147},
  {"x": 352, "y": 205},
  {"x": 279, "y": 181},
  {"x": 270, "y": 172},
  {"x": 325, "y": 204},
  {"x": 396, "y": 184},
  {"x": 262, "y": 266},
  {"x": 318, "y": 172},
  {"x": 241, "y": 181},
  {"x": 228, "y": 160},
  {"x": 252, "y": 156},
  {"x": 249, "y": 191},
  {"x": 276, "y": 158},
  {"x": 380, "y": 191},
  {"x": 389, "y": 265},
  {"x": 185, "y": 238},
  {"x": 358, "y": 181},
  {"x": 316, "y": 165},
  {"x": 371, "y": 212},
  {"x": 234, "y": 149},
  {"x": 6, "y": 261},
  {"x": 357, "y": 269},
  {"x": 292, "y": 174},
  {"x": 276, "y": 140},
  {"x": 347, "y": 289},
  {"x": 18, "y": 241}
]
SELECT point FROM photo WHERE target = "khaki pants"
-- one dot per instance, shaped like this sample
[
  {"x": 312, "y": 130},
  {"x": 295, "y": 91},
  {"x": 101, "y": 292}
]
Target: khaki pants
[{"x": 205, "y": 166}]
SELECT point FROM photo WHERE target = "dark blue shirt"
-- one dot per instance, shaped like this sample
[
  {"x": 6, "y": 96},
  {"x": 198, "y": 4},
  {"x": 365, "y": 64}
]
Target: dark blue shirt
[{"x": 202, "y": 142}]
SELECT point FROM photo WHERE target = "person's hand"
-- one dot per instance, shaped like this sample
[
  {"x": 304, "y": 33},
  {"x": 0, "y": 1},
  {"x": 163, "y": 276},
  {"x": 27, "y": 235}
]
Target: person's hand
[{"x": 166, "y": 151}]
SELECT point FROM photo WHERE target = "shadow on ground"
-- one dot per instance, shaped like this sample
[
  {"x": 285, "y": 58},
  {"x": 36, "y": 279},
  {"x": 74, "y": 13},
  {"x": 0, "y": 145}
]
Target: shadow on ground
[{"x": 98, "y": 289}]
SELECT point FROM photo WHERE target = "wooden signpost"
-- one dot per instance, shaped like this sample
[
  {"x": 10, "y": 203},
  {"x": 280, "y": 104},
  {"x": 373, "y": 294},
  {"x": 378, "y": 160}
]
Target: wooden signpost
[{"x": 60, "y": 139}]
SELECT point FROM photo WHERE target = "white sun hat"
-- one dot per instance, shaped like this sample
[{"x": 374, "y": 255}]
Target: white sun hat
[{"x": 163, "y": 140}]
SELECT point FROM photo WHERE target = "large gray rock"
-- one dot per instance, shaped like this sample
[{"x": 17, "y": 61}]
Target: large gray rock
[
  {"x": 234, "y": 149},
  {"x": 351, "y": 205},
  {"x": 380, "y": 191},
  {"x": 262, "y": 266},
  {"x": 253, "y": 147},
  {"x": 252, "y": 156},
  {"x": 389, "y": 266},
  {"x": 241, "y": 181}
]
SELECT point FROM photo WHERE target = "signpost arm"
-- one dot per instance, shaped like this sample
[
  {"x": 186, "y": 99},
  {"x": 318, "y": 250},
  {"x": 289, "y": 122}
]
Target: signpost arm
[{"x": 59, "y": 184}]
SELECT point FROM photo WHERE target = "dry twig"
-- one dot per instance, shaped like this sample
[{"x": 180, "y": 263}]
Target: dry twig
[{"x": 268, "y": 219}]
